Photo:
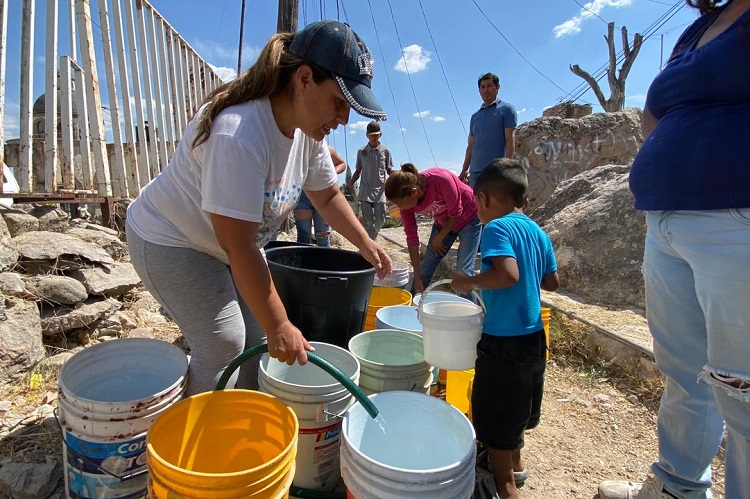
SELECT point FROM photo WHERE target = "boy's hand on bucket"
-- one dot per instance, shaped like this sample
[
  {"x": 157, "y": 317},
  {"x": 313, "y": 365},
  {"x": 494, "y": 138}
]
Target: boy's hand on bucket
[
  {"x": 462, "y": 283},
  {"x": 373, "y": 253},
  {"x": 287, "y": 344}
]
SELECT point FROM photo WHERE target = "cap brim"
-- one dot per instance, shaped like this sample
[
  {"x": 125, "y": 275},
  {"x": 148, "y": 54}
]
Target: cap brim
[{"x": 361, "y": 98}]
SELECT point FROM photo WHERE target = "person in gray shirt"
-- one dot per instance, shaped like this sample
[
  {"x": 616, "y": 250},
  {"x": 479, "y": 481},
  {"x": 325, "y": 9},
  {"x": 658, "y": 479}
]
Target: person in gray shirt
[{"x": 374, "y": 164}]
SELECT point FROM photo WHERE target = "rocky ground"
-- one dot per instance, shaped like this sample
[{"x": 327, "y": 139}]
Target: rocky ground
[{"x": 597, "y": 423}]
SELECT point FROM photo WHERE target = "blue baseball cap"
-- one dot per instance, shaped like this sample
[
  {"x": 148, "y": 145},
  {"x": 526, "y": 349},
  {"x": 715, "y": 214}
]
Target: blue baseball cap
[{"x": 334, "y": 46}]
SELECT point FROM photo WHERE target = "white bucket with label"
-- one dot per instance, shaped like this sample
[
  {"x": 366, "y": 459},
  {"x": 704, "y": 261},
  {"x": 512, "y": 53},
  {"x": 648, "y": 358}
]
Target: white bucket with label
[
  {"x": 418, "y": 447},
  {"x": 109, "y": 395},
  {"x": 319, "y": 401},
  {"x": 391, "y": 360},
  {"x": 451, "y": 330}
]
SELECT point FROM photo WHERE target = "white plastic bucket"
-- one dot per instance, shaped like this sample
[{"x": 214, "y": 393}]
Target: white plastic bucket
[
  {"x": 391, "y": 360},
  {"x": 418, "y": 447},
  {"x": 109, "y": 394},
  {"x": 319, "y": 401},
  {"x": 451, "y": 331},
  {"x": 401, "y": 317},
  {"x": 439, "y": 296},
  {"x": 398, "y": 278}
]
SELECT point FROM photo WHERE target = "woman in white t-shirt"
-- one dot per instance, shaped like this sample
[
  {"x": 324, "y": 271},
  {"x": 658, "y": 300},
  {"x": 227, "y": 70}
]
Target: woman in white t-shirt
[{"x": 196, "y": 230}]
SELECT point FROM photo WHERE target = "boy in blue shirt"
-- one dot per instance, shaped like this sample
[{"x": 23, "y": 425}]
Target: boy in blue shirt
[{"x": 517, "y": 260}]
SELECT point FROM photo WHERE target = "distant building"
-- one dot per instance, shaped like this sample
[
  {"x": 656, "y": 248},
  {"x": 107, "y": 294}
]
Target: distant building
[{"x": 568, "y": 110}]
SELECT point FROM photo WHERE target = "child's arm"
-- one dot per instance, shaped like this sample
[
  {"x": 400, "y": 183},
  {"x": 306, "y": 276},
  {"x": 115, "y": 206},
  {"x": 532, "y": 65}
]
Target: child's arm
[
  {"x": 502, "y": 274},
  {"x": 551, "y": 281}
]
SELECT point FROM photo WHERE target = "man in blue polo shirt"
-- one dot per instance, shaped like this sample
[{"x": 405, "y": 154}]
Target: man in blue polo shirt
[{"x": 492, "y": 132}]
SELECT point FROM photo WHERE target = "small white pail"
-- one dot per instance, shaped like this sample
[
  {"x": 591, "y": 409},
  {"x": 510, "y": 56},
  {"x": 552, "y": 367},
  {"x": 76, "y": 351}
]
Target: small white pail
[
  {"x": 109, "y": 395},
  {"x": 451, "y": 331}
]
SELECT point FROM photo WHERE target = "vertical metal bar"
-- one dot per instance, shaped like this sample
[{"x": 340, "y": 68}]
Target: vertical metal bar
[
  {"x": 25, "y": 168},
  {"x": 149, "y": 134},
  {"x": 96, "y": 121},
  {"x": 117, "y": 171},
  {"x": 160, "y": 137},
  {"x": 166, "y": 93},
  {"x": 131, "y": 171},
  {"x": 3, "y": 57},
  {"x": 72, "y": 30},
  {"x": 50, "y": 100},
  {"x": 143, "y": 159},
  {"x": 187, "y": 74},
  {"x": 196, "y": 79},
  {"x": 66, "y": 121},
  {"x": 178, "y": 89},
  {"x": 83, "y": 171}
]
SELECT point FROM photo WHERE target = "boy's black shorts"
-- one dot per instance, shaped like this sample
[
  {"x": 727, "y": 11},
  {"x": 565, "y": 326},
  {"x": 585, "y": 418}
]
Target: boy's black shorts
[{"x": 508, "y": 384}]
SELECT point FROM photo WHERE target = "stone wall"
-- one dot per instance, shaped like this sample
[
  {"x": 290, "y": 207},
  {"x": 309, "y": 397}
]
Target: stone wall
[{"x": 568, "y": 110}]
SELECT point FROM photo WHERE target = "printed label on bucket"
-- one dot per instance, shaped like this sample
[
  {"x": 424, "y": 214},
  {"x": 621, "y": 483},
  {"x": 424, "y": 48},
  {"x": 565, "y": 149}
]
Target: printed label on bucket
[
  {"x": 85, "y": 481},
  {"x": 325, "y": 451}
]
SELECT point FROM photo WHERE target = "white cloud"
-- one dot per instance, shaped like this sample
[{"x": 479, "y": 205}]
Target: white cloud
[
  {"x": 10, "y": 120},
  {"x": 522, "y": 110},
  {"x": 590, "y": 9},
  {"x": 421, "y": 114},
  {"x": 226, "y": 74},
  {"x": 403, "y": 129},
  {"x": 438, "y": 118},
  {"x": 358, "y": 126},
  {"x": 414, "y": 59}
]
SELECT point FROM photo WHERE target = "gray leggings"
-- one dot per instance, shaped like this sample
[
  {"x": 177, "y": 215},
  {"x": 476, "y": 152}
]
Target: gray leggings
[{"x": 198, "y": 293}]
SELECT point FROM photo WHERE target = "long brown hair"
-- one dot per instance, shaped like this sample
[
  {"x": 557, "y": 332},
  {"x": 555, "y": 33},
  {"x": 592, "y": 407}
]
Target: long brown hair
[
  {"x": 271, "y": 73},
  {"x": 399, "y": 184}
]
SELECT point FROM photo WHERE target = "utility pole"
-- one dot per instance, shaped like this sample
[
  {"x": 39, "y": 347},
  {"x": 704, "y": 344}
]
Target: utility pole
[
  {"x": 287, "y": 20},
  {"x": 242, "y": 29}
]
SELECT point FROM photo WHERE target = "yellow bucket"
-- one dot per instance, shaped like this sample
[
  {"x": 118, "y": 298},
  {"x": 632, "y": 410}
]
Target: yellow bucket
[
  {"x": 384, "y": 297},
  {"x": 545, "y": 320},
  {"x": 223, "y": 444},
  {"x": 458, "y": 390}
]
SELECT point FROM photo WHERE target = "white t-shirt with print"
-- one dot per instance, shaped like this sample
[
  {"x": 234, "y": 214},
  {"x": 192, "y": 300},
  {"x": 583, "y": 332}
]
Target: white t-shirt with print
[{"x": 247, "y": 169}]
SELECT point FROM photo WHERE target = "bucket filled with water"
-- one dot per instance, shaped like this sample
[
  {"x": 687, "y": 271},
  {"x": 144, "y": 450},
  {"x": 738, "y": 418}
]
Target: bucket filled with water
[
  {"x": 418, "y": 447},
  {"x": 391, "y": 360},
  {"x": 109, "y": 395},
  {"x": 223, "y": 444},
  {"x": 319, "y": 401},
  {"x": 451, "y": 331}
]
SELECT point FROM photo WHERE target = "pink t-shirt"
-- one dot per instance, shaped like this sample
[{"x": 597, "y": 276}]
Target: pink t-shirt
[{"x": 445, "y": 196}]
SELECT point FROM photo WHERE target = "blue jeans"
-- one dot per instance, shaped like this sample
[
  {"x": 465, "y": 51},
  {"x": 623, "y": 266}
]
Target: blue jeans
[
  {"x": 305, "y": 225},
  {"x": 696, "y": 269},
  {"x": 468, "y": 246},
  {"x": 373, "y": 214}
]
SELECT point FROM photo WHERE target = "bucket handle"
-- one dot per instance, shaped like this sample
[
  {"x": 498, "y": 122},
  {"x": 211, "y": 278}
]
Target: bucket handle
[
  {"x": 83, "y": 459},
  {"x": 315, "y": 359},
  {"x": 448, "y": 281}
]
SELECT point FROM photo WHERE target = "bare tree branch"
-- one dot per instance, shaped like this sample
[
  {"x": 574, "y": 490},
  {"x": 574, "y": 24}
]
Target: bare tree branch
[{"x": 576, "y": 69}]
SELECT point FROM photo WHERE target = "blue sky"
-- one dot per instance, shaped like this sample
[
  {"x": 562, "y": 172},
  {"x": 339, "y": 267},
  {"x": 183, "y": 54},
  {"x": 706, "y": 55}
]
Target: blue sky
[{"x": 444, "y": 44}]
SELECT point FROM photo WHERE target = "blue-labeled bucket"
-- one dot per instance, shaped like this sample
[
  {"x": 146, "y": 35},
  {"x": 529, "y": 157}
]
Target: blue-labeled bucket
[{"x": 109, "y": 394}]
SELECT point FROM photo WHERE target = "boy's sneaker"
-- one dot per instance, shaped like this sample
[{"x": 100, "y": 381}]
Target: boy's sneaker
[{"x": 652, "y": 488}]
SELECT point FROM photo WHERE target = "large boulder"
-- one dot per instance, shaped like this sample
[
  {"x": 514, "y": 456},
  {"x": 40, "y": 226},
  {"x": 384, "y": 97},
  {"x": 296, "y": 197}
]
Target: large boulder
[
  {"x": 555, "y": 149},
  {"x": 20, "y": 336},
  {"x": 598, "y": 236},
  {"x": 44, "y": 251}
]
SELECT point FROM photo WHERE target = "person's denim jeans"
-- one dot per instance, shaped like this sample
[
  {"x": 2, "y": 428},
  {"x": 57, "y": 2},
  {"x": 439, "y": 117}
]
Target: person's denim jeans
[
  {"x": 468, "y": 246},
  {"x": 373, "y": 214},
  {"x": 697, "y": 274},
  {"x": 305, "y": 225}
]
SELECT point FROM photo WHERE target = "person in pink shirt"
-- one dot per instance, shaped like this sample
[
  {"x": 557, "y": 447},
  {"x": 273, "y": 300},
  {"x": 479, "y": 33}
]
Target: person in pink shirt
[{"x": 439, "y": 194}]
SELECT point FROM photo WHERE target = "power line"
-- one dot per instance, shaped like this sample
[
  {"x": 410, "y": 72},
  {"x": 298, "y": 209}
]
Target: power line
[
  {"x": 216, "y": 42},
  {"x": 514, "y": 48},
  {"x": 411, "y": 83},
  {"x": 388, "y": 79},
  {"x": 440, "y": 62}
]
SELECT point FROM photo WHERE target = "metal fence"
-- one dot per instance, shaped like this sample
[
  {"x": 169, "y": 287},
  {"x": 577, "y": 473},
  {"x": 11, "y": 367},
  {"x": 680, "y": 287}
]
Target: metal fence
[{"x": 154, "y": 81}]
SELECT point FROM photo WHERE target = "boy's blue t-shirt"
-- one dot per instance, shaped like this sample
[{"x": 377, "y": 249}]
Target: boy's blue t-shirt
[{"x": 516, "y": 310}]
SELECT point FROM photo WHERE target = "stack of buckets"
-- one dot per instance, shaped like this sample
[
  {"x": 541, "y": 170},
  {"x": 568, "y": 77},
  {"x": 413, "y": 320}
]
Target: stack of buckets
[{"x": 384, "y": 297}]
